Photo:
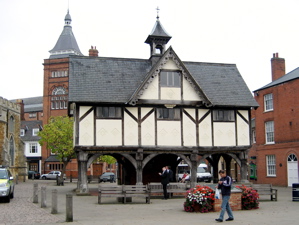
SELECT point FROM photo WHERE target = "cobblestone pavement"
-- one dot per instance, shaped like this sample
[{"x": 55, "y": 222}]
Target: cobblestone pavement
[
  {"x": 86, "y": 211},
  {"x": 21, "y": 210}
]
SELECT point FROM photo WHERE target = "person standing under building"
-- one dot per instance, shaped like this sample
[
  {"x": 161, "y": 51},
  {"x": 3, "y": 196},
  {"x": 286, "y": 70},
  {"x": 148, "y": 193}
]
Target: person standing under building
[
  {"x": 169, "y": 171},
  {"x": 225, "y": 184},
  {"x": 164, "y": 181}
]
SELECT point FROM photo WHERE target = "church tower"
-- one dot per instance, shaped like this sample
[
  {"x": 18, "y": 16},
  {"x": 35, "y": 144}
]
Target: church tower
[{"x": 56, "y": 83}]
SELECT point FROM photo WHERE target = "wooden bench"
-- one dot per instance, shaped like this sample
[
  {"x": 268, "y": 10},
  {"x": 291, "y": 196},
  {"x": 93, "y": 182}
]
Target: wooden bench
[
  {"x": 265, "y": 189},
  {"x": 171, "y": 188},
  {"x": 124, "y": 191}
]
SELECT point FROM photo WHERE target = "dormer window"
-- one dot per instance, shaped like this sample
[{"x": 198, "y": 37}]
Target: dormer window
[{"x": 170, "y": 79}]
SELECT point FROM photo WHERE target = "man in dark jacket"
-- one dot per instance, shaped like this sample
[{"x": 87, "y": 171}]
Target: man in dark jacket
[
  {"x": 169, "y": 171},
  {"x": 224, "y": 184},
  {"x": 164, "y": 181}
]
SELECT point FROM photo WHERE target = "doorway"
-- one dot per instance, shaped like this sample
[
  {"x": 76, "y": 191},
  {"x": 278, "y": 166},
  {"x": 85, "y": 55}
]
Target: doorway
[{"x": 292, "y": 170}]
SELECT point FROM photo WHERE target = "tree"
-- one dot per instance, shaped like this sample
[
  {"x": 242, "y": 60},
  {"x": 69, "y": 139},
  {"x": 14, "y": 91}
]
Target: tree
[
  {"x": 108, "y": 159},
  {"x": 58, "y": 136}
]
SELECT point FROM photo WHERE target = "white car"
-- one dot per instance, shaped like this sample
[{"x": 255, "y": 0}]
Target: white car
[
  {"x": 51, "y": 176},
  {"x": 6, "y": 184}
]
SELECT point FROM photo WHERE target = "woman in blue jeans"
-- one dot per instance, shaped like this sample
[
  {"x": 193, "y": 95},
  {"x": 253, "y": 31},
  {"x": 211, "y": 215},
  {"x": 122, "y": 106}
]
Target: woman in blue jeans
[{"x": 225, "y": 184}]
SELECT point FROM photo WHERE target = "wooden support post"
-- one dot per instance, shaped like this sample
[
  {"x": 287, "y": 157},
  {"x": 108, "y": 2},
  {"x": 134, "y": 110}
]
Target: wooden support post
[
  {"x": 43, "y": 197},
  {"x": 54, "y": 202},
  {"x": 69, "y": 207},
  {"x": 35, "y": 193}
]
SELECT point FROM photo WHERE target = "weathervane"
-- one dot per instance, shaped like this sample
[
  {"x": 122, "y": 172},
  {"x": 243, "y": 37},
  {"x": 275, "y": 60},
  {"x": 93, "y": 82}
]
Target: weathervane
[{"x": 157, "y": 12}]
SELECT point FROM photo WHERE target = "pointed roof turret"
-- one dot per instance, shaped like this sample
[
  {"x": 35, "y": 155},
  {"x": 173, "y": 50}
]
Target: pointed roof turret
[
  {"x": 158, "y": 39},
  {"x": 66, "y": 44}
]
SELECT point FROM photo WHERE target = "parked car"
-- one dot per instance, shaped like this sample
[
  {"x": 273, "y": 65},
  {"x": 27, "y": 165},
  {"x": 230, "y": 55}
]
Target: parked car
[
  {"x": 107, "y": 176},
  {"x": 35, "y": 174},
  {"x": 52, "y": 175},
  {"x": 6, "y": 184}
]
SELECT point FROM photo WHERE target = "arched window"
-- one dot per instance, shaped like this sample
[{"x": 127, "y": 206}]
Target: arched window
[
  {"x": 11, "y": 125},
  {"x": 12, "y": 151},
  {"x": 292, "y": 158},
  {"x": 59, "y": 98}
]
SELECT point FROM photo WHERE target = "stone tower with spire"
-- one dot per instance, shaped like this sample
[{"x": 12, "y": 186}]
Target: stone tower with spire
[{"x": 56, "y": 83}]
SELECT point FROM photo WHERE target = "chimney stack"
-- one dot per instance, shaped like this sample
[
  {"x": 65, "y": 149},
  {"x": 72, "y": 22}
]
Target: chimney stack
[
  {"x": 21, "y": 104},
  {"x": 93, "y": 52},
  {"x": 278, "y": 67}
]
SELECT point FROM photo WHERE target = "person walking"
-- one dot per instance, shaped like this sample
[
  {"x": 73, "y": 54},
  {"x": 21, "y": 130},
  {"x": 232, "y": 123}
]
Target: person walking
[
  {"x": 225, "y": 184},
  {"x": 164, "y": 181}
]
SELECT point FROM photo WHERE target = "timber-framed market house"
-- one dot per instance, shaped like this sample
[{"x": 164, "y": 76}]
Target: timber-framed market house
[{"x": 148, "y": 113}]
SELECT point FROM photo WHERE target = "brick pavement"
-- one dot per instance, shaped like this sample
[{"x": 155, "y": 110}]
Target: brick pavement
[{"x": 86, "y": 211}]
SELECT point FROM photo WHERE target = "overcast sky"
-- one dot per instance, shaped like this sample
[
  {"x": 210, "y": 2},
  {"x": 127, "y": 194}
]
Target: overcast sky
[{"x": 245, "y": 33}]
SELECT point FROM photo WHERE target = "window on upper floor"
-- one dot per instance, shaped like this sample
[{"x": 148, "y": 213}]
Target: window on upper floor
[
  {"x": 35, "y": 131},
  {"x": 168, "y": 114},
  {"x": 170, "y": 79},
  {"x": 253, "y": 136},
  {"x": 22, "y": 132},
  {"x": 268, "y": 102},
  {"x": 108, "y": 112},
  {"x": 11, "y": 125},
  {"x": 271, "y": 165},
  {"x": 32, "y": 115},
  {"x": 59, "y": 73},
  {"x": 269, "y": 126},
  {"x": 59, "y": 98},
  {"x": 33, "y": 148},
  {"x": 223, "y": 115}
]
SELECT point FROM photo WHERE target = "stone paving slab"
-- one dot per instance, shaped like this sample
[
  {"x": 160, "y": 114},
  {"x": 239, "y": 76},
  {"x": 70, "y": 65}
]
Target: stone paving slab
[{"x": 86, "y": 211}]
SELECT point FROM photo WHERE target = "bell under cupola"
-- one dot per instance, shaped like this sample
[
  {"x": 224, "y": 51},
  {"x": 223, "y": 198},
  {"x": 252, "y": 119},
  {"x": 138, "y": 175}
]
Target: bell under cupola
[
  {"x": 157, "y": 40},
  {"x": 66, "y": 44}
]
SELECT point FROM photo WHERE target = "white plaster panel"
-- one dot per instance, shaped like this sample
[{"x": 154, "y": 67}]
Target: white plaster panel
[
  {"x": 189, "y": 131},
  {"x": 152, "y": 91},
  {"x": 86, "y": 128},
  {"x": 145, "y": 111},
  {"x": 191, "y": 112},
  {"x": 202, "y": 112},
  {"x": 133, "y": 110},
  {"x": 170, "y": 65},
  {"x": 130, "y": 130},
  {"x": 169, "y": 133},
  {"x": 243, "y": 132},
  {"x": 244, "y": 113},
  {"x": 205, "y": 129},
  {"x": 27, "y": 149},
  {"x": 189, "y": 94},
  {"x": 170, "y": 93},
  {"x": 148, "y": 131},
  {"x": 224, "y": 134},
  {"x": 83, "y": 110},
  {"x": 109, "y": 132}
]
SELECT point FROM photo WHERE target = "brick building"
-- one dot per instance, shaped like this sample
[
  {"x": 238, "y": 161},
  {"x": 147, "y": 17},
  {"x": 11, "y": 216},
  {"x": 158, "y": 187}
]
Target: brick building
[
  {"x": 11, "y": 146},
  {"x": 273, "y": 157}
]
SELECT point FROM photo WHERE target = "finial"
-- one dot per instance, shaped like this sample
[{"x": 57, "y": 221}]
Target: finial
[{"x": 157, "y": 12}]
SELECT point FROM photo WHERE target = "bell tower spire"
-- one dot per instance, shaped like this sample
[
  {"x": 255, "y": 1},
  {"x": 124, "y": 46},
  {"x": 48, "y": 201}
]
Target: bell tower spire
[{"x": 158, "y": 38}]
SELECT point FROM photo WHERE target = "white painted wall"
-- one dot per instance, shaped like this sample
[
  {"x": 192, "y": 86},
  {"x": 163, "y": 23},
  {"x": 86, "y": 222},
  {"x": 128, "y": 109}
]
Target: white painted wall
[
  {"x": 189, "y": 94},
  {"x": 130, "y": 130},
  {"x": 108, "y": 132},
  {"x": 224, "y": 134},
  {"x": 86, "y": 127},
  {"x": 168, "y": 93},
  {"x": 148, "y": 129},
  {"x": 189, "y": 130},
  {"x": 169, "y": 133},
  {"x": 205, "y": 129},
  {"x": 152, "y": 91},
  {"x": 243, "y": 129}
]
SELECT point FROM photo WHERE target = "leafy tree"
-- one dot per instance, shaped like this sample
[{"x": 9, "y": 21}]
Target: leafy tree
[
  {"x": 57, "y": 135},
  {"x": 108, "y": 159}
]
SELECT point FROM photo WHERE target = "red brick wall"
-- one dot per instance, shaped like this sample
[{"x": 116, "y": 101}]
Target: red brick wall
[{"x": 286, "y": 131}]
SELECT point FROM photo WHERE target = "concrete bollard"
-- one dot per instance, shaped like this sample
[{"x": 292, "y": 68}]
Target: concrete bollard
[
  {"x": 54, "y": 202},
  {"x": 24, "y": 178},
  {"x": 35, "y": 193},
  {"x": 17, "y": 179},
  {"x": 69, "y": 207},
  {"x": 43, "y": 197},
  {"x": 71, "y": 178}
]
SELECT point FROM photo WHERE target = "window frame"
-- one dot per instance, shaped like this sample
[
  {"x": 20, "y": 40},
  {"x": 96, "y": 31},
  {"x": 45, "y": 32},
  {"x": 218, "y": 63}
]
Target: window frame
[
  {"x": 171, "y": 80},
  {"x": 268, "y": 102},
  {"x": 35, "y": 131},
  {"x": 271, "y": 165},
  {"x": 173, "y": 114},
  {"x": 108, "y": 112},
  {"x": 22, "y": 132},
  {"x": 269, "y": 132},
  {"x": 228, "y": 115},
  {"x": 31, "y": 145}
]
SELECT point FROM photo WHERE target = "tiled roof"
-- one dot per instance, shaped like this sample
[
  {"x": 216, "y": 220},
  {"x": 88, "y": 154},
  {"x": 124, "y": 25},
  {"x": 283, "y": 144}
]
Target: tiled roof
[
  {"x": 114, "y": 80},
  {"x": 288, "y": 77},
  {"x": 28, "y": 126},
  {"x": 33, "y": 104}
]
